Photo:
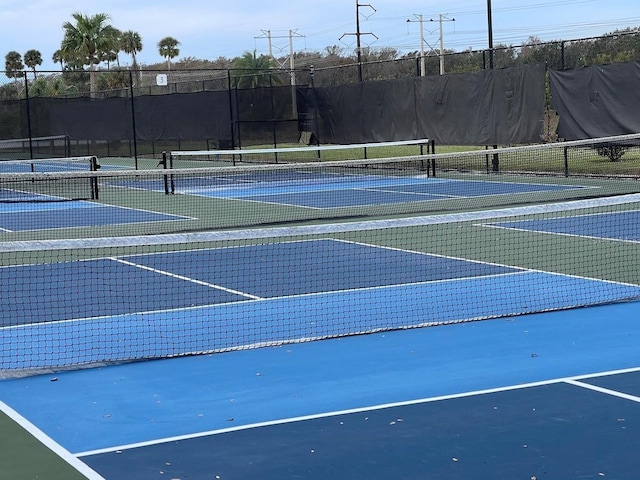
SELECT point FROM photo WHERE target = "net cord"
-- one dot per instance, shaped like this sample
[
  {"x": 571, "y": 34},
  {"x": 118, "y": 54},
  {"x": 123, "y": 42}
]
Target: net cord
[{"x": 424, "y": 141}]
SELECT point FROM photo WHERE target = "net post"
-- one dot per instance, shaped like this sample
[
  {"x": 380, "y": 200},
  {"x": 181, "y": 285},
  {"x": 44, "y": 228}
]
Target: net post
[
  {"x": 173, "y": 183},
  {"x": 495, "y": 162},
  {"x": 94, "y": 166},
  {"x": 432, "y": 144},
  {"x": 163, "y": 163},
  {"x": 486, "y": 159},
  {"x": 566, "y": 161}
]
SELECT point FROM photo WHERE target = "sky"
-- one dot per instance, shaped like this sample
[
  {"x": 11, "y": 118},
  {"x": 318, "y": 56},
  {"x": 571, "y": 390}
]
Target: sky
[{"x": 212, "y": 29}]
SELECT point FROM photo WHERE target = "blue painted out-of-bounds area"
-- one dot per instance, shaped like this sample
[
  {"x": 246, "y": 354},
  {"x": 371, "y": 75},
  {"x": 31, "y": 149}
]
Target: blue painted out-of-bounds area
[{"x": 551, "y": 395}]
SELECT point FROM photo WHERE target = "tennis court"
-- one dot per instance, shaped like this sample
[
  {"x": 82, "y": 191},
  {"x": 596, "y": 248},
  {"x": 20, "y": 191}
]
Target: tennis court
[
  {"x": 493, "y": 335},
  {"x": 30, "y": 203},
  {"x": 25, "y": 207}
]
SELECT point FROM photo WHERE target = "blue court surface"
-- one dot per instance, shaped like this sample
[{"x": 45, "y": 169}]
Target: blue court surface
[
  {"x": 337, "y": 191},
  {"x": 554, "y": 395},
  {"x": 26, "y": 216}
]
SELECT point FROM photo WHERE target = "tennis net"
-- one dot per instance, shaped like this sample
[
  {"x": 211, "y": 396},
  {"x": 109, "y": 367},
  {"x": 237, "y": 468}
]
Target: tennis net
[
  {"x": 293, "y": 154},
  {"x": 74, "y": 303},
  {"x": 259, "y": 191},
  {"x": 36, "y": 180}
]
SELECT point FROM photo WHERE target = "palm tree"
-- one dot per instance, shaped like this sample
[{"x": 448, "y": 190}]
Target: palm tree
[
  {"x": 87, "y": 40},
  {"x": 251, "y": 71},
  {"x": 57, "y": 58},
  {"x": 111, "y": 55},
  {"x": 131, "y": 43},
  {"x": 33, "y": 58},
  {"x": 13, "y": 66},
  {"x": 168, "y": 48}
]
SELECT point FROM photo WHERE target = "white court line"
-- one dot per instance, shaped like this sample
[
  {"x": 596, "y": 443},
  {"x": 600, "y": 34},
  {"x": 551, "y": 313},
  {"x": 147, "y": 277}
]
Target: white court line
[
  {"x": 186, "y": 279},
  {"x": 606, "y": 391},
  {"x": 560, "y": 234},
  {"x": 440, "y": 196},
  {"x": 50, "y": 443},
  {"x": 355, "y": 410},
  {"x": 504, "y": 225}
]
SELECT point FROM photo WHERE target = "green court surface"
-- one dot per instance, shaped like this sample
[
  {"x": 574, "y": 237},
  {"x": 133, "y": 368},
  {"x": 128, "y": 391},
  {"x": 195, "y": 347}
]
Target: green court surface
[{"x": 23, "y": 456}]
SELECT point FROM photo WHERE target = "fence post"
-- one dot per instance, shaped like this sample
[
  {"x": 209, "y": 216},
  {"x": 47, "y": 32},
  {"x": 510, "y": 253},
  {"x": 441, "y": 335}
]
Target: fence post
[
  {"x": 28, "y": 105},
  {"x": 133, "y": 122},
  {"x": 231, "y": 124}
]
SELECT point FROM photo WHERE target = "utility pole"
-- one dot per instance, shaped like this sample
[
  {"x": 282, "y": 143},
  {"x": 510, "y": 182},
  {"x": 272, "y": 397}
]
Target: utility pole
[
  {"x": 442, "y": 18},
  {"x": 418, "y": 18},
  {"x": 292, "y": 74},
  {"x": 291, "y": 35},
  {"x": 267, "y": 34},
  {"x": 358, "y": 34}
]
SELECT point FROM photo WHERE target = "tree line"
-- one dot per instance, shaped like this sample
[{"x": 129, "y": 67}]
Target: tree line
[
  {"x": 87, "y": 42},
  {"x": 91, "y": 41}
]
